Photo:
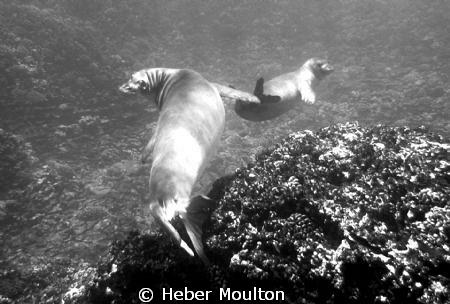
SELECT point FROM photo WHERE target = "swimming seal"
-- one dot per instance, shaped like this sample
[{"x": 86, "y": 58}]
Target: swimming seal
[
  {"x": 282, "y": 93},
  {"x": 191, "y": 121}
]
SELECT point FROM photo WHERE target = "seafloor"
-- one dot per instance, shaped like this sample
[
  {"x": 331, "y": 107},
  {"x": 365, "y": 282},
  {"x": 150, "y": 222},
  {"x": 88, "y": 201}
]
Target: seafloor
[{"x": 70, "y": 177}]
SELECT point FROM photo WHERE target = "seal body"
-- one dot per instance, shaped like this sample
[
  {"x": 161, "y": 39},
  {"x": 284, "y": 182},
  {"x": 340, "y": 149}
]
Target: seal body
[
  {"x": 190, "y": 124},
  {"x": 282, "y": 93}
]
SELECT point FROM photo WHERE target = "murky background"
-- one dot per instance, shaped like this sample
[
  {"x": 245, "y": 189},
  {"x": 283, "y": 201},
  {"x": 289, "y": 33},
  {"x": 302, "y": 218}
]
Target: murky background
[{"x": 79, "y": 184}]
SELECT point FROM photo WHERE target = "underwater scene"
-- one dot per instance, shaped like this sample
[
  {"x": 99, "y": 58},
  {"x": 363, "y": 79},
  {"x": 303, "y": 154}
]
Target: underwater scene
[{"x": 282, "y": 151}]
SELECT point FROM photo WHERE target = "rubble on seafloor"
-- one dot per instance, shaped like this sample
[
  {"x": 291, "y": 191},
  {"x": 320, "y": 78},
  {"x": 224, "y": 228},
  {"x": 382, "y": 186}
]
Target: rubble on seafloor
[
  {"x": 17, "y": 158},
  {"x": 343, "y": 215}
]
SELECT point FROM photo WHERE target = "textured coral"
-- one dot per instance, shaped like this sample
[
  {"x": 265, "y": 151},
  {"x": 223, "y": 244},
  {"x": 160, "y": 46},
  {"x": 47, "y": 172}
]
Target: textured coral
[
  {"x": 343, "y": 215},
  {"x": 347, "y": 213}
]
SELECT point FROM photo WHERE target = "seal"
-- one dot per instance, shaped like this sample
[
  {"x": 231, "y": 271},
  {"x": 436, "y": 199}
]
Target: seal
[
  {"x": 190, "y": 123},
  {"x": 282, "y": 93}
]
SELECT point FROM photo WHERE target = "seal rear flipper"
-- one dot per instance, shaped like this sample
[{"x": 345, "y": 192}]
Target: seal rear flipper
[
  {"x": 259, "y": 92},
  {"x": 259, "y": 87},
  {"x": 195, "y": 234},
  {"x": 158, "y": 214},
  {"x": 198, "y": 211}
]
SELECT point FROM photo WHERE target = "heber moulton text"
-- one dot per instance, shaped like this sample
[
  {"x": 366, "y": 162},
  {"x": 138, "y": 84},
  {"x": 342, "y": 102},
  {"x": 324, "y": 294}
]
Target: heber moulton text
[{"x": 256, "y": 294}]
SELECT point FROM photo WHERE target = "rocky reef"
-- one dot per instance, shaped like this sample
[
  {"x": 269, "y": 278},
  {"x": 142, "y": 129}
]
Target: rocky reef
[{"x": 343, "y": 215}]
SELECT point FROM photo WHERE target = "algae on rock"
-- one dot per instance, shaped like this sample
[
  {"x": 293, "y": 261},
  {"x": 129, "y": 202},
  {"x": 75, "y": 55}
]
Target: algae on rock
[{"x": 343, "y": 215}]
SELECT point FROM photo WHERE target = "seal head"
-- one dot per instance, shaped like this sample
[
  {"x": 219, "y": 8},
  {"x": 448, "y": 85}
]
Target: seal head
[
  {"x": 139, "y": 82},
  {"x": 320, "y": 67}
]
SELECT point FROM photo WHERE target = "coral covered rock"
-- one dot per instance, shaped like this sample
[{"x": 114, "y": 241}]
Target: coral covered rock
[
  {"x": 343, "y": 215},
  {"x": 346, "y": 214}
]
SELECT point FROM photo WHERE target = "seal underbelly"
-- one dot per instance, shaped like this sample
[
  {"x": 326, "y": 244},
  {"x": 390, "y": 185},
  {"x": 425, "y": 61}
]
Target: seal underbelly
[{"x": 264, "y": 111}]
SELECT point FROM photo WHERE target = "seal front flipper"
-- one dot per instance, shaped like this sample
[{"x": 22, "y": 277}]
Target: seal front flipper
[
  {"x": 199, "y": 210},
  {"x": 307, "y": 94},
  {"x": 148, "y": 150},
  {"x": 233, "y": 94}
]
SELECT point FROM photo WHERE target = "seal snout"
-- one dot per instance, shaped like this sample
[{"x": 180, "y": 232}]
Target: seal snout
[
  {"x": 125, "y": 88},
  {"x": 321, "y": 68},
  {"x": 327, "y": 67}
]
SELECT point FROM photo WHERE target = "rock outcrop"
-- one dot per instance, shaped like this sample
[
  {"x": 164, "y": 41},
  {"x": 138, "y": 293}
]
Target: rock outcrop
[{"x": 343, "y": 215}]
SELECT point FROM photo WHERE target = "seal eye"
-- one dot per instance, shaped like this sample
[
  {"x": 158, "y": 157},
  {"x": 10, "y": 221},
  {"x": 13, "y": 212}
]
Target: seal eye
[{"x": 142, "y": 85}]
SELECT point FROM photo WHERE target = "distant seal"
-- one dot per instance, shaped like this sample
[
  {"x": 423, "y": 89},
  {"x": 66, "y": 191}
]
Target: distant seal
[
  {"x": 191, "y": 121},
  {"x": 282, "y": 93}
]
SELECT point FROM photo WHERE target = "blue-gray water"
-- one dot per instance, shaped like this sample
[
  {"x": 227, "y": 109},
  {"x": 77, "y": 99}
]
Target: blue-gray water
[{"x": 61, "y": 63}]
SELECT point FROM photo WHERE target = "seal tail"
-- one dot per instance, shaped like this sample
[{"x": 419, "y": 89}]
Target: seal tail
[{"x": 198, "y": 211}]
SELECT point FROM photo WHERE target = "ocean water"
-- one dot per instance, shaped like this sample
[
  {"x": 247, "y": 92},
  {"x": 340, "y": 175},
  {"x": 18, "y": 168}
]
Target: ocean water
[{"x": 62, "y": 62}]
